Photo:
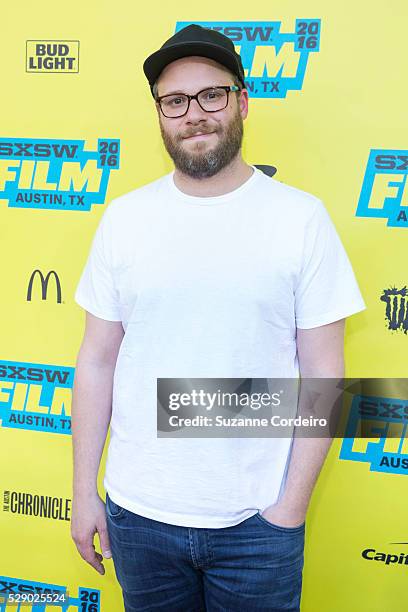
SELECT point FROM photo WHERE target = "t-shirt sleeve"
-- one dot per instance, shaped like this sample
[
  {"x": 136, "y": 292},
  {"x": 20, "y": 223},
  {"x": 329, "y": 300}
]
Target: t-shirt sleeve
[
  {"x": 96, "y": 290},
  {"x": 326, "y": 288}
]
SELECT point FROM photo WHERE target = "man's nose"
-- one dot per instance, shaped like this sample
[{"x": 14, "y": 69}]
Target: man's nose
[{"x": 195, "y": 112}]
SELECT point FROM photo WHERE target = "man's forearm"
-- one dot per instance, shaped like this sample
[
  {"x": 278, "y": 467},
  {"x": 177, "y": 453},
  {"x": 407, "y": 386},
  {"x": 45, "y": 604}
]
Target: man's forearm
[
  {"x": 91, "y": 414},
  {"x": 321, "y": 358},
  {"x": 309, "y": 453},
  {"x": 308, "y": 456}
]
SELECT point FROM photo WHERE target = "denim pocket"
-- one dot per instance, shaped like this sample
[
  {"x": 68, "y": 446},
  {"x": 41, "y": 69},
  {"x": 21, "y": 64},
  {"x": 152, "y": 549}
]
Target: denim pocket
[
  {"x": 264, "y": 521},
  {"x": 113, "y": 509}
]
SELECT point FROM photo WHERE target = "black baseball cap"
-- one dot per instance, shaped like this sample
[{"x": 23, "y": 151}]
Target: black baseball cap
[{"x": 194, "y": 40}]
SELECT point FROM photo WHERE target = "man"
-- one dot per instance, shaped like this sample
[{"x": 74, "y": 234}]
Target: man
[{"x": 214, "y": 270}]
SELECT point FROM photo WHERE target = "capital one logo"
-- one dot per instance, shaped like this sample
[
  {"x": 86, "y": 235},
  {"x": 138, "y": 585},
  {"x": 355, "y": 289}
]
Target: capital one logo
[
  {"x": 274, "y": 60},
  {"x": 44, "y": 284}
]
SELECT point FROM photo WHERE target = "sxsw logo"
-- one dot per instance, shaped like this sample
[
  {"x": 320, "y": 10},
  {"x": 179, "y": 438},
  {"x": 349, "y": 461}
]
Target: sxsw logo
[
  {"x": 376, "y": 433},
  {"x": 384, "y": 194},
  {"x": 19, "y": 594},
  {"x": 43, "y": 280},
  {"x": 52, "y": 174},
  {"x": 36, "y": 396},
  {"x": 274, "y": 61}
]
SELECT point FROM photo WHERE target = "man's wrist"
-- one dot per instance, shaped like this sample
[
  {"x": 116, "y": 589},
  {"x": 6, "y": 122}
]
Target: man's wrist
[
  {"x": 292, "y": 508},
  {"x": 85, "y": 490}
]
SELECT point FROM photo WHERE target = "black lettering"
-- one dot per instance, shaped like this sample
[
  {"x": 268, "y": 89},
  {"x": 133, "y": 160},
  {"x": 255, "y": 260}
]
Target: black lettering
[
  {"x": 7, "y": 587},
  {"x": 26, "y": 588},
  {"x": 42, "y": 149},
  {"x": 234, "y": 33},
  {"x": 367, "y": 408},
  {"x": 22, "y": 148},
  {"x": 365, "y": 553},
  {"x": 264, "y": 33},
  {"x": 68, "y": 151},
  {"x": 57, "y": 375},
  {"x": 385, "y": 162},
  {"x": 403, "y": 158},
  {"x": 35, "y": 374},
  {"x": 391, "y": 410},
  {"x": 16, "y": 370},
  {"x": 6, "y": 148}
]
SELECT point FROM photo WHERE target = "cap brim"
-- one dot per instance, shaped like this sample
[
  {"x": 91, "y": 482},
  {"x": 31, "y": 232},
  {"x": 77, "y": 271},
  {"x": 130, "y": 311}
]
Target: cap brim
[{"x": 157, "y": 61}]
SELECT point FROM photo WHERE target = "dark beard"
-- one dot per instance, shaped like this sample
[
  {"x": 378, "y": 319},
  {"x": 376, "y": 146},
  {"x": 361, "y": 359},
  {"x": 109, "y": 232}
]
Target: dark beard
[{"x": 209, "y": 163}]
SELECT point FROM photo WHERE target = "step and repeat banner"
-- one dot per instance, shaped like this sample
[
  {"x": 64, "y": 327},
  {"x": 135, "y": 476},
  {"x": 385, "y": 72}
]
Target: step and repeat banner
[{"x": 79, "y": 128}]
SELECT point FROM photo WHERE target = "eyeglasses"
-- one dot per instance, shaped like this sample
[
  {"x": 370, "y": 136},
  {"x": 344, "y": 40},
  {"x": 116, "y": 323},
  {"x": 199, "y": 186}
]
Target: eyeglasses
[{"x": 210, "y": 100}]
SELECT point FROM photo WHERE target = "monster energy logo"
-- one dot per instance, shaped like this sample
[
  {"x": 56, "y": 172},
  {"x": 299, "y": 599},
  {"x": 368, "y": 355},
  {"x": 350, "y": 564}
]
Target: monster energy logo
[{"x": 396, "y": 310}]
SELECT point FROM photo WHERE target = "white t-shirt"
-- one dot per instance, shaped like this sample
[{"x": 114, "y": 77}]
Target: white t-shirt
[{"x": 208, "y": 287}]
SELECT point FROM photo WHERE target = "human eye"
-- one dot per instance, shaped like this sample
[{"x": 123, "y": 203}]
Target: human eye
[
  {"x": 174, "y": 101},
  {"x": 212, "y": 94}
]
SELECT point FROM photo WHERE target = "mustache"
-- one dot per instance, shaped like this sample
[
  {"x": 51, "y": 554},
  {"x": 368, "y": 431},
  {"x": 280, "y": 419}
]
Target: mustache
[{"x": 197, "y": 131}]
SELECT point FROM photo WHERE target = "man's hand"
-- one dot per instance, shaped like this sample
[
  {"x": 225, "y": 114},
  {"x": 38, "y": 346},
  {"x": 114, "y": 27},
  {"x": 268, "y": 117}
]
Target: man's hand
[
  {"x": 88, "y": 518},
  {"x": 321, "y": 355},
  {"x": 283, "y": 516}
]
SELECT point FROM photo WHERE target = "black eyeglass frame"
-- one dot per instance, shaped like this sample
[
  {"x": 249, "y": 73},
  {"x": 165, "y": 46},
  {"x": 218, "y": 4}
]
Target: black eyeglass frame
[{"x": 227, "y": 88}]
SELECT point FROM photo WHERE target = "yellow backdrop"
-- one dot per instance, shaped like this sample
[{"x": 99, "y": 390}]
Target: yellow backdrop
[{"x": 78, "y": 128}]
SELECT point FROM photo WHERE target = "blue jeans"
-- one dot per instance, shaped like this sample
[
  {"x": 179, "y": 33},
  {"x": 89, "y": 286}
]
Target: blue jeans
[{"x": 252, "y": 566}]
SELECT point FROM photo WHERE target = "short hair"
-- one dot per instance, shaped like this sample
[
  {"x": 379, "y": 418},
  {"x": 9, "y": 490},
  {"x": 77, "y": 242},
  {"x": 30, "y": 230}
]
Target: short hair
[{"x": 235, "y": 78}]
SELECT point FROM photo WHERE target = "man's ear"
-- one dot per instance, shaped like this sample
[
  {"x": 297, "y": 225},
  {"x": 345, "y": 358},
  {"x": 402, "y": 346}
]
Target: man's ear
[{"x": 243, "y": 103}]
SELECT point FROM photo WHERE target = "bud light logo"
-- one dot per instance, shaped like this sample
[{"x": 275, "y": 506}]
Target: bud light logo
[
  {"x": 52, "y": 56},
  {"x": 274, "y": 61}
]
